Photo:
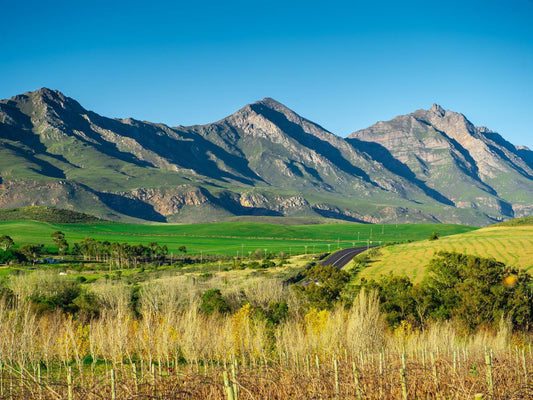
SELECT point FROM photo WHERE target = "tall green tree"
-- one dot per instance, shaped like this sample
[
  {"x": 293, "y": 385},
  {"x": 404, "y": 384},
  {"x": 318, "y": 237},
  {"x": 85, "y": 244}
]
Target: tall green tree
[
  {"x": 6, "y": 242},
  {"x": 61, "y": 243}
]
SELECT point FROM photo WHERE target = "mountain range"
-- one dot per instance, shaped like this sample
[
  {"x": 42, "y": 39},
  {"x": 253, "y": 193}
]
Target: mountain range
[{"x": 262, "y": 161}]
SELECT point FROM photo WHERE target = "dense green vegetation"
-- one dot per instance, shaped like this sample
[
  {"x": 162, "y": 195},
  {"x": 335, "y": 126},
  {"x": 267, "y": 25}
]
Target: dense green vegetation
[
  {"x": 472, "y": 290},
  {"x": 46, "y": 214}
]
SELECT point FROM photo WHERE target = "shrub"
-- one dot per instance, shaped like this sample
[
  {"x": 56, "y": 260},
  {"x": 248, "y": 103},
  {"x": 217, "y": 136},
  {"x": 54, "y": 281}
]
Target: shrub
[
  {"x": 212, "y": 301},
  {"x": 324, "y": 285},
  {"x": 434, "y": 236}
]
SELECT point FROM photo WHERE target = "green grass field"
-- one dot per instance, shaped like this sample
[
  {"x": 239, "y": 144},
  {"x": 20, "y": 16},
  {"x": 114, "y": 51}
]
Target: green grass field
[
  {"x": 231, "y": 238},
  {"x": 512, "y": 245}
]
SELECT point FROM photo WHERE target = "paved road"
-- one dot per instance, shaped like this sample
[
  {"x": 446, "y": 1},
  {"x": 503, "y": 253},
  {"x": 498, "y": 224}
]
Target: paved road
[{"x": 342, "y": 257}]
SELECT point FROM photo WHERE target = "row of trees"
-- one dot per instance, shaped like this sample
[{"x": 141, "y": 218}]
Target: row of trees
[{"x": 120, "y": 255}]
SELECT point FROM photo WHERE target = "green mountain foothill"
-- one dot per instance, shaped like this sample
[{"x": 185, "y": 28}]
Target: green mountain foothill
[{"x": 263, "y": 161}]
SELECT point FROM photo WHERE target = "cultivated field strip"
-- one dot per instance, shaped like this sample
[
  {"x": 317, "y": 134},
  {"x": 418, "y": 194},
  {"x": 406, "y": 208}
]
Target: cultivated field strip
[{"x": 511, "y": 245}]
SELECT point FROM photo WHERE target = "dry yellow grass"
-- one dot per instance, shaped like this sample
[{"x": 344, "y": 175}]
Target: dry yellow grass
[{"x": 511, "y": 245}]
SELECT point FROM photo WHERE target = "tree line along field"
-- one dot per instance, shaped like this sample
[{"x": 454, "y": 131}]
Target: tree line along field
[
  {"x": 512, "y": 245},
  {"x": 231, "y": 238}
]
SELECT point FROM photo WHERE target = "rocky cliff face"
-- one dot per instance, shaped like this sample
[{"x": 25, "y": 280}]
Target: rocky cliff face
[
  {"x": 431, "y": 165},
  {"x": 472, "y": 167}
]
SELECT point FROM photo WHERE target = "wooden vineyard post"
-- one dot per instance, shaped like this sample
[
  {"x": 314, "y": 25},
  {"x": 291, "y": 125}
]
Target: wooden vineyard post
[
  {"x": 227, "y": 385},
  {"x": 403, "y": 376},
  {"x": 524, "y": 364},
  {"x": 154, "y": 386},
  {"x": 39, "y": 380},
  {"x": 113, "y": 385},
  {"x": 21, "y": 373},
  {"x": 135, "y": 380},
  {"x": 11, "y": 382},
  {"x": 403, "y": 381},
  {"x": 381, "y": 362},
  {"x": 435, "y": 372},
  {"x": 336, "y": 370},
  {"x": 235, "y": 373},
  {"x": 488, "y": 362},
  {"x": 69, "y": 384},
  {"x": 356, "y": 381}
]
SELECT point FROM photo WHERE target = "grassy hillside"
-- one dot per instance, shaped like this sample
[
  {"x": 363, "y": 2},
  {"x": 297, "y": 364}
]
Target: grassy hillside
[
  {"x": 512, "y": 245},
  {"x": 230, "y": 238},
  {"x": 517, "y": 221},
  {"x": 46, "y": 214}
]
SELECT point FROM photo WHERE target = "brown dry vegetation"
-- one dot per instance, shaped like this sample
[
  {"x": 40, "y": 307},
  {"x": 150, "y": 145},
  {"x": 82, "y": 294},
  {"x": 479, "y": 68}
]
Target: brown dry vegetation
[{"x": 174, "y": 352}]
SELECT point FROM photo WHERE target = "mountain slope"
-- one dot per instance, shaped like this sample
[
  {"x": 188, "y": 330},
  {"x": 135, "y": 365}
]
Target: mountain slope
[
  {"x": 472, "y": 166},
  {"x": 263, "y": 160}
]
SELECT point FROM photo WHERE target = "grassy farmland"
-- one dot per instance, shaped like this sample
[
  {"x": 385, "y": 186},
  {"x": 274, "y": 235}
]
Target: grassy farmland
[
  {"x": 231, "y": 238},
  {"x": 512, "y": 245}
]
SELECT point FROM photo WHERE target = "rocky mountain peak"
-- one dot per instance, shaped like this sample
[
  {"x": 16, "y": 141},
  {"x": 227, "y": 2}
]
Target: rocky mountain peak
[
  {"x": 438, "y": 110},
  {"x": 269, "y": 101},
  {"x": 53, "y": 99}
]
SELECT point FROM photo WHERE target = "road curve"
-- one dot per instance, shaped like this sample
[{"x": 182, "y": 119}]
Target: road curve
[{"x": 342, "y": 257}]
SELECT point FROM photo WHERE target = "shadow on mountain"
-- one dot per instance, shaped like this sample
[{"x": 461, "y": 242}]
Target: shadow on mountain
[
  {"x": 527, "y": 156},
  {"x": 44, "y": 167},
  {"x": 383, "y": 156},
  {"x": 337, "y": 215},
  {"x": 191, "y": 152},
  {"x": 95, "y": 140},
  {"x": 238, "y": 162},
  {"x": 496, "y": 138},
  {"x": 228, "y": 201},
  {"x": 468, "y": 166},
  {"x": 506, "y": 208},
  {"x": 325, "y": 149},
  {"x": 22, "y": 133},
  {"x": 130, "y": 207}
]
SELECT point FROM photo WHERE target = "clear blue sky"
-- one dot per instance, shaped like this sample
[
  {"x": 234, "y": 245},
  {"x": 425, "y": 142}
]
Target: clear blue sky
[{"x": 342, "y": 64}]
